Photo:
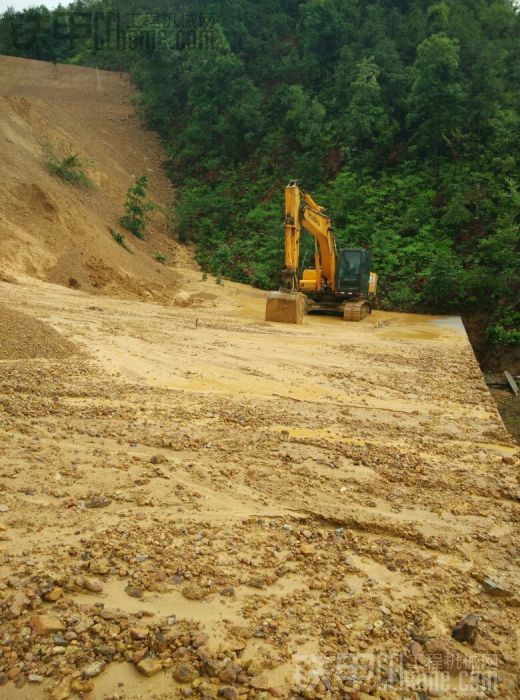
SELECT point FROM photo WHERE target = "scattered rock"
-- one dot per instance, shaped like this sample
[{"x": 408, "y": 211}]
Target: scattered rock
[
  {"x": 193, "y": 592},
  {"x": 63, "y": 690},
  {"x": 200, "y": 640},
  {"x": 133, "y": 591},
  {"x": 184, "y": 673},
  {"x": 53, "y": 595},
  {"x": 417, "y": 654},
  {"x": 260, "y": 682},
  {"x": 94, "y": 669},
  {"x": 228, "y": 692},
  {"x": 149, "y": 666},
  {"x": 466, "y": 630},
  {"x": 138, "y": 632},
  {"x": 19, "y": 603},
  {"x": 44, "y": 624},
  {"x": 80, "y": 687},
  {"x": 496, "y": 589},
  {"x": 34, "y": 678},
  {"x": 93, "y": 584},
  {"x": 98, "y": 502}
]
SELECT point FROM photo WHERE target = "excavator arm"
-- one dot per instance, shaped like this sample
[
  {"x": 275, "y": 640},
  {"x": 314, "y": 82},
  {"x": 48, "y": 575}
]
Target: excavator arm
[{"x": 302, "y": 210}]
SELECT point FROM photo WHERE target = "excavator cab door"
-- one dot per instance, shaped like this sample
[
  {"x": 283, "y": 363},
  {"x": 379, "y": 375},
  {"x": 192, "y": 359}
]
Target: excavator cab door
[{"x": 354, "y": 271}]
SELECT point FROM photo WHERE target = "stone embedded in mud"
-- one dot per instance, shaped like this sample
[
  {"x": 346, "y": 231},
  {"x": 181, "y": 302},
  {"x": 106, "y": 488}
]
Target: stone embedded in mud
[
  {"x": 19, "y": 603},
  {"x": 229, "y": 673},
  {"x": 99, "y": 566},
  {"x": 94, "y": 669},
  {"x": 149, "y": 666},
  {"x": 184, "y": 673},
  {"x": 466, "y": 630},
  {"x": 44, "y": 624},
  {"x": 133, "y": 591},
  {"x": 98, "y": 502},
  {"x": 417, "y": 653},
  {"x": 53, "y": 595},
  {"x": 138, "y": 632},
  {"x": 81, "y": 687},
  {"x": 34, "y": 678},
  {"x": 193, "y": 592},
  {"x": 93, "y": 584},
  {"x": 199, "y": 640},
  {"x": 495, "y": 588},
  {"x": 228, "y": 692},
  {"x": 63, "y": 690},
  {"x": 260, "y": 682}
]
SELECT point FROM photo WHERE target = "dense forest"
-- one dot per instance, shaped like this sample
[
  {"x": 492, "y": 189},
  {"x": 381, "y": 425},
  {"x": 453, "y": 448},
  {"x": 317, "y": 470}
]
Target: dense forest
[{"x": 401, "y": 117}]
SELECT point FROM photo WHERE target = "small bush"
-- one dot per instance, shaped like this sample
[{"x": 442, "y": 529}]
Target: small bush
[
  {"x": 137, "y": 208},
  {"x": 68, "y": 166},
  {"x": 498, "y": 335},
  {"x": 160, "y": 257},
  {"x": 119, "y": 239}
]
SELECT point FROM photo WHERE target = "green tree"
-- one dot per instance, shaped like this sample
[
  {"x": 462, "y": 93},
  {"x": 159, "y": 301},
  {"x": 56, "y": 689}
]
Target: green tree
[
  {"x": 136, "y": 208},
  {"x": 436, "y": 104},
  {"x": 367, "y": 123}
]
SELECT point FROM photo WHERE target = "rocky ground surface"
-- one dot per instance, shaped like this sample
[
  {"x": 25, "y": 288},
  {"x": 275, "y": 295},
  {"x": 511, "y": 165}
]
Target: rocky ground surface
[{"x": 196, "y": 503}]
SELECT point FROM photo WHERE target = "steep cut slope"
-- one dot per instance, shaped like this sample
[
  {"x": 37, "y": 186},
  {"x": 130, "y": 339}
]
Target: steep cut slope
[{"x": 57, "y": 231}]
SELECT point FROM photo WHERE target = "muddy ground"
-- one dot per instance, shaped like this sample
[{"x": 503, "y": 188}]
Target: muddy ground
[{"x": 251, "y": 510}]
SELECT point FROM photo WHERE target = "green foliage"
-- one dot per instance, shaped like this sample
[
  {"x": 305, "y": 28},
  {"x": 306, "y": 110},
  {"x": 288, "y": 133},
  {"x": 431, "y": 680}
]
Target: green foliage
[
  {"x": 160, "y": 257},
  {"x": 119, "y": 239},
  {"x": 506, "y": 327},
  {"x": 436, "y": 97},
  {"x": 66, "y": 164},
  {"x": 442, "y": 286},
  {"x": 136, "y": 208}
]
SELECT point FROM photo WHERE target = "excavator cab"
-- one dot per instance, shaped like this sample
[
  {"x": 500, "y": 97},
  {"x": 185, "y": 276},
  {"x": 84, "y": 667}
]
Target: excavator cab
[{"x": 353, "y": 275}]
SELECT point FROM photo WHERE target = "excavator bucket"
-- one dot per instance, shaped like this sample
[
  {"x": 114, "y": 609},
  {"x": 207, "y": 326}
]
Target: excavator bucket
[{"x": 285, "y": 307}]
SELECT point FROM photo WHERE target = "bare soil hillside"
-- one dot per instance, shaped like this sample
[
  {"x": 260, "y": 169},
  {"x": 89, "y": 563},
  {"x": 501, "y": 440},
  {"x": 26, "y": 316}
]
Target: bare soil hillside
[
  {"x": 60, "y": 232},
  {"x": 196, "y": 503}
]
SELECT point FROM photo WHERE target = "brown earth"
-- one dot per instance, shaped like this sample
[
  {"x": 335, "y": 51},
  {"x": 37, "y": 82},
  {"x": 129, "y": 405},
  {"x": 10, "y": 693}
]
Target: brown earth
[
  {"x": 197, "y": 503},
  {"x": 60, "y": 232}
]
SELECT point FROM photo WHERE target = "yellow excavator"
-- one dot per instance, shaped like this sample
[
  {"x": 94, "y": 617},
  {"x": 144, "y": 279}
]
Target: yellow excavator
[{"x": 340, "y": 281}]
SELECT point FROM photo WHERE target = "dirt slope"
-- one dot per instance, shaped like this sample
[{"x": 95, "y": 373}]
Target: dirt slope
[
  {"x": 197, "y": 503},
  {"x": 59, "y": 232}
]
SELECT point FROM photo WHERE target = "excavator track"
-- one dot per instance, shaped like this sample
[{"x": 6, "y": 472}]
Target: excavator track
[{"x": 356, "y": 310}]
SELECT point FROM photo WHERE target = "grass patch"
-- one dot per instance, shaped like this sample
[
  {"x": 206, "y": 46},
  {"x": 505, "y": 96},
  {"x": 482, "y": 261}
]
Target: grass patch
[
  {"x": 119, "y": 239},
  {"x": 160, "y": 257},
  {"x": 63, "y": 162}
]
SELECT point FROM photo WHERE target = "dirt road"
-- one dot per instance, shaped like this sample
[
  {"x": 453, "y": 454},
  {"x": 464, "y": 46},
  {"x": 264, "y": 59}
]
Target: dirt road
[{"x": 274, "y": 495}]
